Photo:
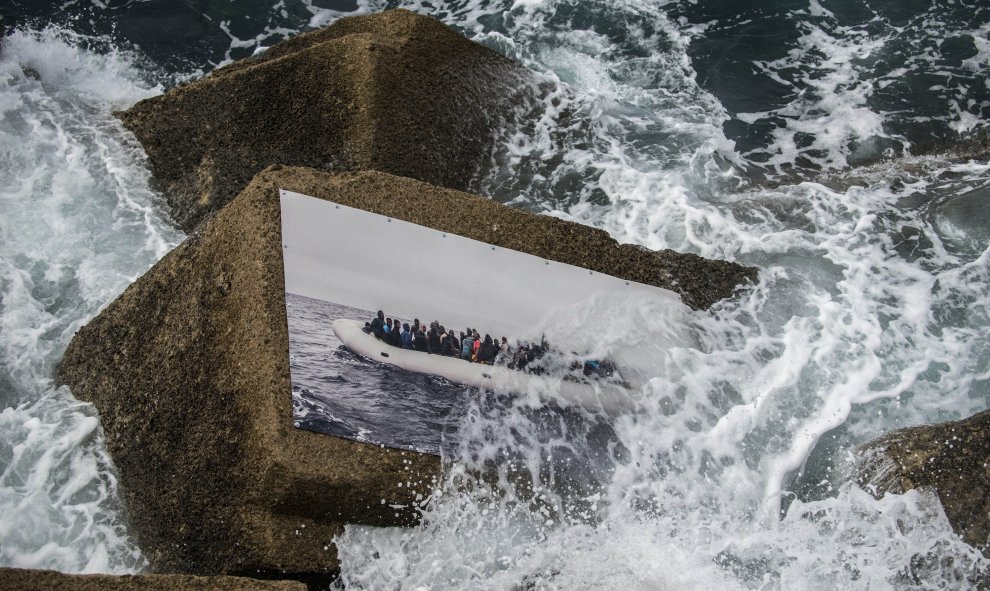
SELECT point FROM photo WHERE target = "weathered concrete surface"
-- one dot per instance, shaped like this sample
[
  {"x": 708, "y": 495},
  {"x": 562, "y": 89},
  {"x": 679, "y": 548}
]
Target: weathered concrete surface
[
  {"x": 951, "y": 458},
  {"x": 395, "y": 92},
  {"x": 15, "y": 579},
  {"x": 189, "y": 371}
]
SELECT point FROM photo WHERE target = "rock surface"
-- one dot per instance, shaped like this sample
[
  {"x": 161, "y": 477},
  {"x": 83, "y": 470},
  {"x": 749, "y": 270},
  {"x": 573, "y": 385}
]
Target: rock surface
[
  {"x": 952, "y": 458},
  {"x": 15, "y": 579},
  {"x": 189, "y": 371},
  {"x": 395, "y": 92}
]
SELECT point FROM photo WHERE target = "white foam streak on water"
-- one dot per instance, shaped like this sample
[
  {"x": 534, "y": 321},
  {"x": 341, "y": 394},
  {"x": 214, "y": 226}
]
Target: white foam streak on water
[
  {"x": 325, "y": 16},
  {"x": 870, "y": 313},
  {"x": 79, "y": 224},
  {"x": 981, "y": 39},
  {"x": 58, "y": 492},
  {"x": 868, "y": 316},
  {"x": 833, "y": 75},
  {"x": 829, "y": 103}
]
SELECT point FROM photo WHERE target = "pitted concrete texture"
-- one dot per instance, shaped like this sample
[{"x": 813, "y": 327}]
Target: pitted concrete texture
[
  {"x": 189, "y": 370},
  {"x": 395, "y": 92},
  {"x": 951, "y": 458}
]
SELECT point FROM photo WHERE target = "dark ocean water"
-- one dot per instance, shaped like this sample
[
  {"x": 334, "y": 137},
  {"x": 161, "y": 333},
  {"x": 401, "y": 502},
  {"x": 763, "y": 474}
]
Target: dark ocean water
[
  {"x": 839, "y": 145},
  {"x": 772, "y": 66}
]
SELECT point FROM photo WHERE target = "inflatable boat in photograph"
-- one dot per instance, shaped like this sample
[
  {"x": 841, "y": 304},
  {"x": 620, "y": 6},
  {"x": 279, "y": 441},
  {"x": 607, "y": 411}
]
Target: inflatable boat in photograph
[{"x": 592, "y": 394}]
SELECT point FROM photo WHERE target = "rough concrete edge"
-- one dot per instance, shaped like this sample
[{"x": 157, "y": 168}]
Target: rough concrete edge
[
  {"x": 16, "y": 579},
  {"x": 461, "y": 212},
  {"x": 895, "y": 462},
  {"x": 353, "y": 25}
]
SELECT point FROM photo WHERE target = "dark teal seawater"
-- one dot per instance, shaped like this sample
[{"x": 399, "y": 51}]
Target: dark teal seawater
[
  {"x": 838, "y": 146},
  {"x": 742, "y": 53}
]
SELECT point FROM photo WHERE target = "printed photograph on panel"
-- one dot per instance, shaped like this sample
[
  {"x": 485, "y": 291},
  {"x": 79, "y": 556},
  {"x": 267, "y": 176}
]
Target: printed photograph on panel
[
  {"x": 396, "y": 330},
  {"x": 339, "y": 391}
]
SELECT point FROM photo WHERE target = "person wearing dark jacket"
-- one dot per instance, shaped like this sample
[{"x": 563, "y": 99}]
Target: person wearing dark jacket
[
  {"x": 395, "y": 337},
  {"x": 519, "y": 357},
  {"x": 445, "y": 349},
  {"x": 433, "y": 340},
  {"x": 455, "y": 345},
  {"x": 487, "y": 351},
  {"x": 378, "y": 326},
  {"x": 419, "y": 340},
  {"x": 406, "y": 337}
]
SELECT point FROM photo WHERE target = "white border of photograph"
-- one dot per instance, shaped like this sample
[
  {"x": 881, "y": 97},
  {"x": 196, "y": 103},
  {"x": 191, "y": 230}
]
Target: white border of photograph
[{"x": 341, "y": 254}]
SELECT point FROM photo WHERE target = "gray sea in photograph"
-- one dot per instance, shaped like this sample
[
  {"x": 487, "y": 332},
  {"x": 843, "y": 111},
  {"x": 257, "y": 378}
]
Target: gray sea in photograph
[{"x": 343, "y": 394}]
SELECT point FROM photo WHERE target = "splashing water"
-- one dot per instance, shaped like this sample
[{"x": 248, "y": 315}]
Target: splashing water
[
  {"x": 79, "y": 224},
  {"x": 869, "y": 314},
  {"x": 669, "y": 127}
]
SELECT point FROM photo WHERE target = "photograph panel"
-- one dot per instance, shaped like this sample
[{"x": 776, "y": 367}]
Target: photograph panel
[{"x": 468, "y": 317}]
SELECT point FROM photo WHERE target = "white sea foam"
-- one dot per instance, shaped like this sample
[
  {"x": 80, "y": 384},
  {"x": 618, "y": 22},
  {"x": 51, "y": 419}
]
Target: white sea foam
[
  {"x": 58, "y": 493},
  {"x": 868, "y": 315},
  {"x": 830, "y": 95},
  {"x": 79, "y": 223},
  {"x": 981, "y": 40}
]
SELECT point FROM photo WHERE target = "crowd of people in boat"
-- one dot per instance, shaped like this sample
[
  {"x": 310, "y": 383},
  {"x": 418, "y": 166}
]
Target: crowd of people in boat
[{"x": 468, "y": 345}]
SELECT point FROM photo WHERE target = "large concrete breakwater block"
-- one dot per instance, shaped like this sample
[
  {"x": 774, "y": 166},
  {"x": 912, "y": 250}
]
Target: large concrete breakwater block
[
  {"x": 189, "y": 370},
  {"x": 395, "y": 92},
  {"x": 951, "y": 458}
]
